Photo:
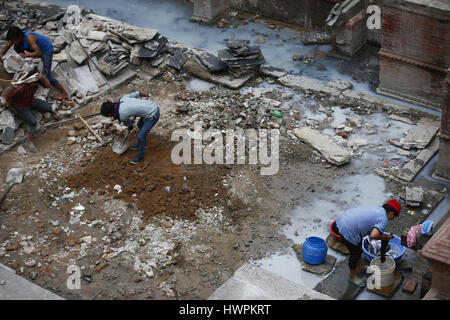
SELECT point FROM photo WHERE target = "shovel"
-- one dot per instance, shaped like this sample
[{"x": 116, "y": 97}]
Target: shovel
[
  {"x": 15, "y": 175},
  {"x": 120, "y": 146}
]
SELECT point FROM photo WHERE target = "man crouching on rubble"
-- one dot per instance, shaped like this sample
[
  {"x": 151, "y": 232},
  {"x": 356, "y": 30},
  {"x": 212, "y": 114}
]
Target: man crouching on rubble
[
  {"x": 20, "y": 98},
  {"x": 354, "y": 224},
  {"x": 130, "y": 106}
]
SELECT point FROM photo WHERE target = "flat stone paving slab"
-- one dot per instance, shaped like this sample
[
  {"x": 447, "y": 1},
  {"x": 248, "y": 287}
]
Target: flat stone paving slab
[
  {"x": 390, "y": 290},
  {"x": 335, "y": 244},
  {"x": 14, "y": 287},
  {"x": 250, "y": 282},
  {"x": 321, "y": 269},
  {"x": 336, "y": 285}
]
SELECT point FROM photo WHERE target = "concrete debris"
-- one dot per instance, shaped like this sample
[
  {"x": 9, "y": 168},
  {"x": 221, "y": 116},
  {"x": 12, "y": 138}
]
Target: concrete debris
[
  {"x": 242, "y": 58},
  {"x": 272, "y": 71},
  {"x": 177, "y": 61},
  {"x": 8, "y": 135},
  {"x": 154, "y": 48},
  {"x": 417, "y": 137},
  {"x": 210, "y": 62},
  {"x": 304, "y": 83},
  {"x": 316, "y": 37},
  {"x": 224, "y": 79},
  {"x": 87, "y": 82},
  {"x": 412, "y": 167},
  {"x": 402, "y": 119},
  {"x": 77, "y": 53},
  {"x": 340, "y": 84},
  {"x": 323, "y": 143},
  {"x": 414, "y": 195}
]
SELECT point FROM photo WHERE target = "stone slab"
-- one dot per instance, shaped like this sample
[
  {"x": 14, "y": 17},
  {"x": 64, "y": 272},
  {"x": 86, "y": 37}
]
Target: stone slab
[
  {"x": 417, "y": 137},
  {"x": 336, "y": 285},
  {"x": 253, "y": 283},
  {"x": 221, "y": 78},
  {"x": 17, "y": 288},
  {"x": 8, "y": 135},
  {"x": 272, "y": 71},
  {"x": 304, "y": 83},
  {"x": 323, "y": 143},
  {"x": 122, "y": 78},
  {"x": 335, "y": 244},
  {"x": 409, "y": 171},
  {"x": 390, "y": 290},
  {"x": 320, "y": 269},
  {"x": 77, "y": 53}
]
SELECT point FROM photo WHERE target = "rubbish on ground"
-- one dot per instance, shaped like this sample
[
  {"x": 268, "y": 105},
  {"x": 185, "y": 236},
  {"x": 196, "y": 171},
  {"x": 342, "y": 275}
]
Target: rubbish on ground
[{"x": 79, "y": 207}]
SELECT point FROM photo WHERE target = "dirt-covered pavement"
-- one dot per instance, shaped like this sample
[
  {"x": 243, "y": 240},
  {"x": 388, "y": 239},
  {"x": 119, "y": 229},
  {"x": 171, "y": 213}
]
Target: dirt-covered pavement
[{"x": 157, "y": 230}]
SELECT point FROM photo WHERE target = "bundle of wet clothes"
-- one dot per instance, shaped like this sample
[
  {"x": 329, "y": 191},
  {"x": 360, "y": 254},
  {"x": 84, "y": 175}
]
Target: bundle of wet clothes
[{"x": 374, "y": 247}]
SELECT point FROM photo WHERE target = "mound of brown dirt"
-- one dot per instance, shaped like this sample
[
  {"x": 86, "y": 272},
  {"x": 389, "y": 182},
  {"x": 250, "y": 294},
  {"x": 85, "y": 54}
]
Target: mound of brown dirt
[{"x": 156, "y": 185}]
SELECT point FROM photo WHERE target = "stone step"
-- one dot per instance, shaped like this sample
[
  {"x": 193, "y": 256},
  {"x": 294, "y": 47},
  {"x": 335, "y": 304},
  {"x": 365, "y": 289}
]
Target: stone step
[
  {"x": 253, "y": 283},
  {"x": 14, "y": 287}
]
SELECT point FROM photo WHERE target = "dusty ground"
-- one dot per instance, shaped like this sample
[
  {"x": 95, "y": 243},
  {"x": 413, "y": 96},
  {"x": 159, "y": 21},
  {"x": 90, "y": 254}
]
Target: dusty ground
[{"x": 174, "y": 232}]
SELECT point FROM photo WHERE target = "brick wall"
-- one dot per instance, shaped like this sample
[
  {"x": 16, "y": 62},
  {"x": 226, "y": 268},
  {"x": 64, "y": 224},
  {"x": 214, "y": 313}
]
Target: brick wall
[
  {"x": 443, "y": 163},
  {"x": 308, "y": 14},
  {"x": 415, "y": 51},
  {"x": 416, "y": 35}
]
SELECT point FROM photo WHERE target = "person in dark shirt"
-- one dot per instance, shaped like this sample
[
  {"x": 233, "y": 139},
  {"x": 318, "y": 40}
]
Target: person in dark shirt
[{"x": 20, "y": 99}]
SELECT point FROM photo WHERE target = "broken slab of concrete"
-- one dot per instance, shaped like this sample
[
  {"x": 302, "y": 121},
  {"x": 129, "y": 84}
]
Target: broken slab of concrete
[
  {"x": 316, "y": 37},
  {"x": 88, "y": 84},
  {"x": 253, "y": 283},
  {"x": 8, "y": 135},
  {"x": 270, "y": 71},
  {"x": 122, "y": 78},
  {"x": 323, "y": 143},
  {"x": 7, "y": 119},
  {"x": 320, "y": 269},
  {"x": 221, "y": 78},
  {"x": 417, "y": 137},
  {"x": 340, "y": 84},
  {"x": 77, "y": 53},
  {"x": 304, "y": 83},
  {"x": 414, "y": 195},
  {"x": 177, "y": 61},
  {"x": 413, "y": 167},
  {"x": 209, "y": 61},
  {"x": 402, "y": 119}
]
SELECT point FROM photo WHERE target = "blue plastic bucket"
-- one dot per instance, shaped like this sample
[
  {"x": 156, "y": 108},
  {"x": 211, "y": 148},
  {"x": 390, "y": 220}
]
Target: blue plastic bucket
[{"x": 314, "y": 250}]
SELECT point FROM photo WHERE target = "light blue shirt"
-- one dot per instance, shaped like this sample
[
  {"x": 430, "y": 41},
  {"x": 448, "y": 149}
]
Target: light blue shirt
[
  {"x": 131, "y": 106},
  {"x": 354, "y": 224}
]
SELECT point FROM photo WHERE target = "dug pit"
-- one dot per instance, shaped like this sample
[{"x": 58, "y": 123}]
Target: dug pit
[{"x": 156, "y": 185}]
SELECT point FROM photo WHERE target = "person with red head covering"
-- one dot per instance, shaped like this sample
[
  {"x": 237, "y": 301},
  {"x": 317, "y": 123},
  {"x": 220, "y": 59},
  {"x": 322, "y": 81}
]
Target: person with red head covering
[{"x": 354, "y": 224}]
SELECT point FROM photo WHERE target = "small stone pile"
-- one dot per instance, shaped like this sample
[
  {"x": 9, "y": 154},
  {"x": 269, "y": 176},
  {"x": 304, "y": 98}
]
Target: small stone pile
[
  {"x": 14, "y": 15},
  {"x": 241, "y": 58}
]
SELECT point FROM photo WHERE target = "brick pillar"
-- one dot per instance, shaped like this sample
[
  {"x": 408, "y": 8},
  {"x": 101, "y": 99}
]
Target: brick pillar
[
  {"x": 437, "y": 252},
  {"x": 205, "y": 11},
  {"x": 443, "y": 165}
]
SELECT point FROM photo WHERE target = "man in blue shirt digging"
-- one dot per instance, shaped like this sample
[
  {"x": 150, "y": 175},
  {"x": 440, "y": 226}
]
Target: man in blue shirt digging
[
  {"x": 354, "y": 224},
  {"x": 131, "y": 106}
]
